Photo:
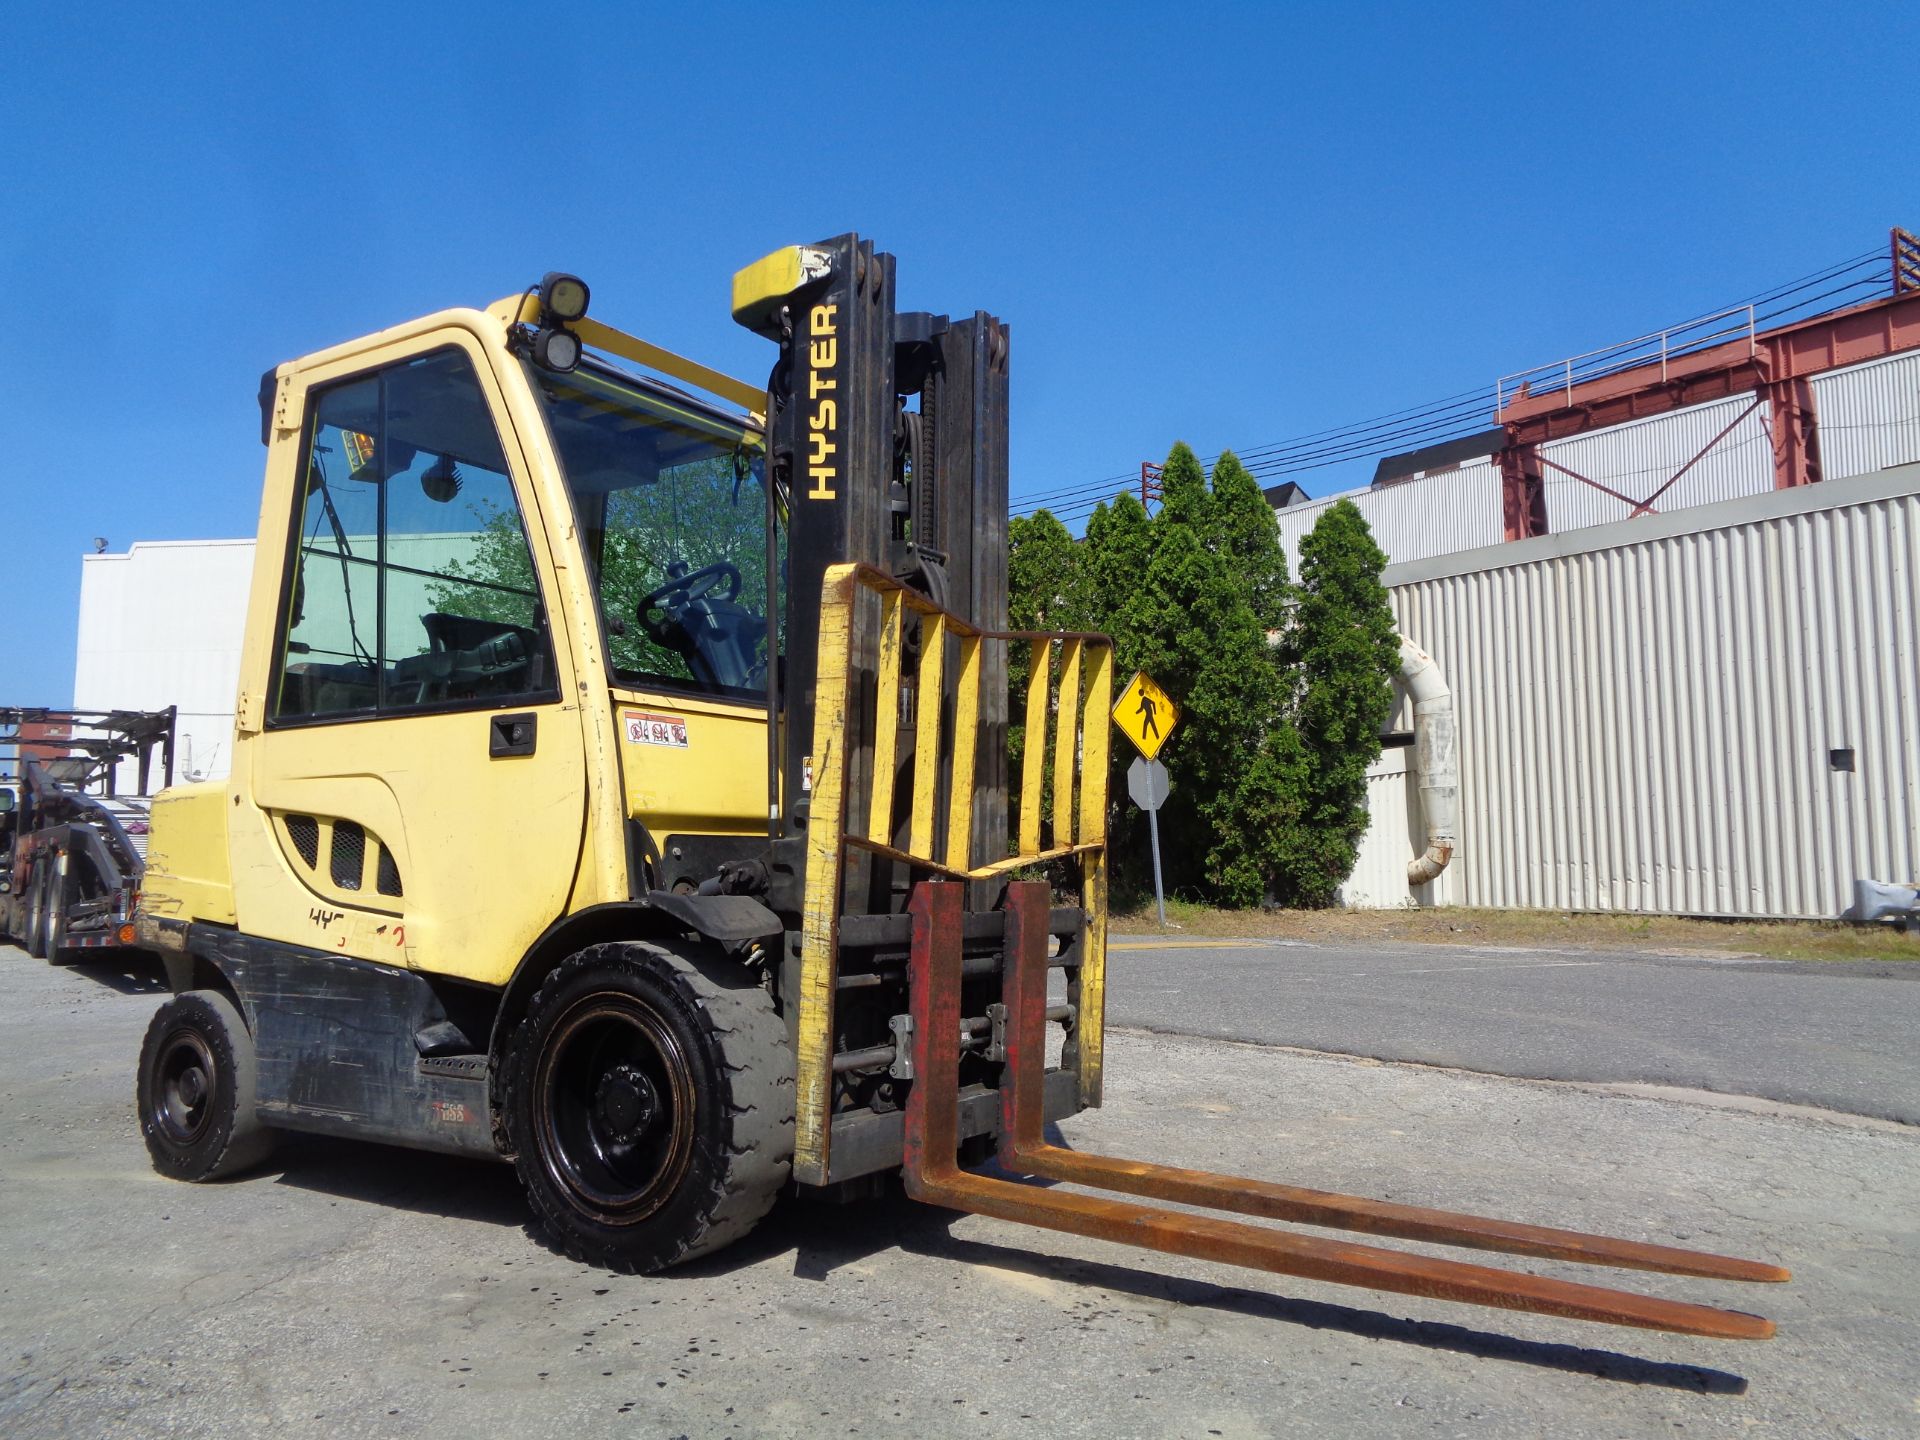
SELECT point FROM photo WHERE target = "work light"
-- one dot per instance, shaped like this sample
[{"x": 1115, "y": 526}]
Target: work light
[
  {"x": 564, "y": 297},
  {"x": 556, "y": 350}
]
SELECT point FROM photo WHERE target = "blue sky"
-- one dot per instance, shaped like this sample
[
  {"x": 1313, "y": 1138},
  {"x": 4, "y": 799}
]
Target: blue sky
[{"x": 1228, "y": 224}]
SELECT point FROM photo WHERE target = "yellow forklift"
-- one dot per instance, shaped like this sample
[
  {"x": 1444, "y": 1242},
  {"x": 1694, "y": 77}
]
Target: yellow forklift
[{"x": 620, "y": 787}]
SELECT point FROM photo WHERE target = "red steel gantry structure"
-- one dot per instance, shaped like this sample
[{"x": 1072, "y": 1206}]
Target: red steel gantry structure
[{"x": 1773, "y": 366}]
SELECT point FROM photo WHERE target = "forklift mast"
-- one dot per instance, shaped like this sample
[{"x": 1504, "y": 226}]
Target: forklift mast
[
  {"x": 887, "y": 433},
  {"x": 887, "y": 436}
]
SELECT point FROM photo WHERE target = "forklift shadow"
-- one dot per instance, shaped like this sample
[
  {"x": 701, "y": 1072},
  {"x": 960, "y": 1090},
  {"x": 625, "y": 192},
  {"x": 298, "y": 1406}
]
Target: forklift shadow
[
  {"x": 131, "y": 972},
  {"x": 1347, "y": 1319},
  {"x": 823, "y": 1237},
  {"x": 450, "y": 1186}
]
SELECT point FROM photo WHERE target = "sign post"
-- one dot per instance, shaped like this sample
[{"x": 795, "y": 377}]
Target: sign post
[
  {"x": 1145, "y": 714},
  {"x": 1148, "y": 784}
]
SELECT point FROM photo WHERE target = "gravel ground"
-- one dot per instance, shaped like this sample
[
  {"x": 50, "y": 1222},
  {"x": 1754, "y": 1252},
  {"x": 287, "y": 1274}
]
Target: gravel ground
[{"x": 354, "y": 1290}]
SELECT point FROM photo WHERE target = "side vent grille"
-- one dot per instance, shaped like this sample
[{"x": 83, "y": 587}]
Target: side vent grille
[
  {"x": 338, "y": 858},
  {"x": 304, "y": 831},
  {"x": 387, "y": 880},
  {"x": 349, "y": 854}
]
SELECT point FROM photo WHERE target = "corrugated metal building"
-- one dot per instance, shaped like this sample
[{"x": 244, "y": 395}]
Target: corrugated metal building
[
  {"x": 161, "y": 625},
  {"x": 1869, "y": 415},
  {"x": 1712, "y": 711},
  {"x": 1434, "y": 514}
]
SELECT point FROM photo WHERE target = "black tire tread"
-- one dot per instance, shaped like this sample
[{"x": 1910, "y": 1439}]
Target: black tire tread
[
  {"x": 36, "y": 912},
  {"x": 757, "y": 1066},
  {"x": 247, "y": 1142},
  {"x": 56, "y": 924}
]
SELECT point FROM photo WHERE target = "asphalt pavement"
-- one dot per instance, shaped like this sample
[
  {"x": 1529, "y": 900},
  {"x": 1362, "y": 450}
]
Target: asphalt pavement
[
  {"x": 356, "y": 1290},
  {"x": 1839, "y": 1035}
]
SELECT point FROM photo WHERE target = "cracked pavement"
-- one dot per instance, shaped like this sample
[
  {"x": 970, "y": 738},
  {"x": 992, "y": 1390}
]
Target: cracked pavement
[{"x": 348, "y": 1290}]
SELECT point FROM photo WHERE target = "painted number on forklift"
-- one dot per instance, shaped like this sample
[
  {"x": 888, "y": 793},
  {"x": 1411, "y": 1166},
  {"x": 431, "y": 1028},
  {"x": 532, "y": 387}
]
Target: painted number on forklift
[
  {"x": 645, "y": 729},
  {"x": 450, "y": 1112}
]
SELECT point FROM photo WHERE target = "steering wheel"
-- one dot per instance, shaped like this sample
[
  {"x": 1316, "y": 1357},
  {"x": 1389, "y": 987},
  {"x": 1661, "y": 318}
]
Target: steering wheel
[{"x": 681, "y": 591}]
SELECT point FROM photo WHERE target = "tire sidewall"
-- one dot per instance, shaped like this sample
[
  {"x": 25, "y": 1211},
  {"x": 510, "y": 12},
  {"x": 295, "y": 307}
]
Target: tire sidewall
[
  {"x": 218, "y": 1022},
  {"x": 647, "y": 974}
]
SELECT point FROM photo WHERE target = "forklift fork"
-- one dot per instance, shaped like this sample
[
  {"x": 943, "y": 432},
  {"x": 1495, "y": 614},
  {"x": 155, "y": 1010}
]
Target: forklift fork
[{"x": 932, "y": 1174}]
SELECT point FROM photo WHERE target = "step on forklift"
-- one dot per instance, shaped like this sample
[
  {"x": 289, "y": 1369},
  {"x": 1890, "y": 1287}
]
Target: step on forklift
[{"x": 620, "y": 788}]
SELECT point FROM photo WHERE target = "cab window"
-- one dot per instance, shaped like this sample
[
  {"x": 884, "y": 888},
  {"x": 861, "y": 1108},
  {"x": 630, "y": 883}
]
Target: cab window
[
  {"x": 672, "y": 511},
  {"x": 412, "y": 584}
]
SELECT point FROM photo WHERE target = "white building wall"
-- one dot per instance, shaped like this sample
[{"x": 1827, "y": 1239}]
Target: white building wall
[
  {"x": 1646, "y": 710},
  {"x": 1639, "y": 457},
  {"x": 1413, "y": 519},
  {"x": 161, "y": 625}
]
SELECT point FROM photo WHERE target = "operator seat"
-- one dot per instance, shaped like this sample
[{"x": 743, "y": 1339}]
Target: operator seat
[{"x": 722, "y": 637}]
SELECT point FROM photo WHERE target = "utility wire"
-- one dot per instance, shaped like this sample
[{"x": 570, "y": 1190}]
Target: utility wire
[{"x": 1457, "y": 415}]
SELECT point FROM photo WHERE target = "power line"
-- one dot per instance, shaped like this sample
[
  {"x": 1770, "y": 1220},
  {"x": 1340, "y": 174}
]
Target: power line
[{"x": 1455, "y": 416}]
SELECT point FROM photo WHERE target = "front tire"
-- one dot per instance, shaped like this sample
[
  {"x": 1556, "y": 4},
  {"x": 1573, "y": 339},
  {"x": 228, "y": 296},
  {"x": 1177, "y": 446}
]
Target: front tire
[
  {"x": 648, "y": 1101},
  {"x": 196, "y": 1089}
]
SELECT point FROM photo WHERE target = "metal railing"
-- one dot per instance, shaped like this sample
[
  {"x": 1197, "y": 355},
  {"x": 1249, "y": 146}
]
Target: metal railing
[{"x": 1662, "y": 346}]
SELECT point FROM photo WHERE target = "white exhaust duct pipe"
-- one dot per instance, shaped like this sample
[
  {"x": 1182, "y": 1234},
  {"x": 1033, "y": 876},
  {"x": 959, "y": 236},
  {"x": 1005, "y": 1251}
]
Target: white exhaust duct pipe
[{"x": 1436, "y": 759}]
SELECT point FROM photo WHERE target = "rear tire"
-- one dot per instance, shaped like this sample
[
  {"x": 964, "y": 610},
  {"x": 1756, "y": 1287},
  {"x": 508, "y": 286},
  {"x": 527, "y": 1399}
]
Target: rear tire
[
  {"x": 56, "y": 922},
  {"x": 648, "y": 1100},
  {"x": 196, "y": 1090},
  {"x": 36, "y": 936}
]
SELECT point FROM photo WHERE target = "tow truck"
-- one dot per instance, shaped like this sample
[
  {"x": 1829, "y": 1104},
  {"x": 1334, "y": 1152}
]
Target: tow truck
[{"x": 72, "y": 842}]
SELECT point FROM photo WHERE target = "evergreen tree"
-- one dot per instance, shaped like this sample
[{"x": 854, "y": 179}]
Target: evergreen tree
[
  {"x": 1041, "y": 573},
  {"x": 1110, "y": 576},
  {"x": 1183, "y": 487},
  {"x": 1200, "y": 637},
  {"x": 1111, "y": 572},
  {"x": 1283, "y": 691},
  {"x": 1344, "y": 643},
  {"x": 1043, "y": 585},
  {"x": 1244, "y": 524}
]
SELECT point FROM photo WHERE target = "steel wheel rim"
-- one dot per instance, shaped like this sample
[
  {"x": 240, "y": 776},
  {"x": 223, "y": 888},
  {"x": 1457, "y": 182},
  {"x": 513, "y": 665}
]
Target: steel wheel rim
[
  {"x": 613, "y": 1100},
  {"x": 184, "y": 1076}
]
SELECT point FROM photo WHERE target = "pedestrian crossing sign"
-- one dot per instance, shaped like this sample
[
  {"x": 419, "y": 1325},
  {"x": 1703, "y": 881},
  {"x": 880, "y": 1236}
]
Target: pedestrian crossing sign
[{"x": 1145, "y": 714}]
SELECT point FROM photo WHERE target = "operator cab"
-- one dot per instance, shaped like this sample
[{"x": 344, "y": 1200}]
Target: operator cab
[{"x": 416, "y": 584}]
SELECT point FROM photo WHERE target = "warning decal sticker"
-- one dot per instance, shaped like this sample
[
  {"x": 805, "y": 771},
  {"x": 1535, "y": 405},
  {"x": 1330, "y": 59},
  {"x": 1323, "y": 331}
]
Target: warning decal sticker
[{"x": 645, "y": 728}]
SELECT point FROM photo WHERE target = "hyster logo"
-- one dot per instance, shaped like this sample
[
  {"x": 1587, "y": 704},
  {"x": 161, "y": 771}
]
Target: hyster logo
[{"x": 823, "y": 354}]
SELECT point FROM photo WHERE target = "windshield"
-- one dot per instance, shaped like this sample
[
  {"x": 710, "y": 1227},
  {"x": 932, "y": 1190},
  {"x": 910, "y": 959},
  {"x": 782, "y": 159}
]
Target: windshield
[{"x": 672, "y": 515}]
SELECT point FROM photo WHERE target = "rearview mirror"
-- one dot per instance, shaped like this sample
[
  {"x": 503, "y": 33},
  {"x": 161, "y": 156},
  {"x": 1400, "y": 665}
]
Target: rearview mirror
[{"x": 6, "y": 802}]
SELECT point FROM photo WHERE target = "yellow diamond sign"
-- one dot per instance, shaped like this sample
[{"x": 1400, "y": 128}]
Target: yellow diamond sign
[{"x": 1145, "y": 714}]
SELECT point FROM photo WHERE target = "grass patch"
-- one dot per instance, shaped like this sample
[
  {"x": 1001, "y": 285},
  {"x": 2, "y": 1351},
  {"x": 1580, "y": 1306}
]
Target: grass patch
[{"x": 1772, "y": 939}]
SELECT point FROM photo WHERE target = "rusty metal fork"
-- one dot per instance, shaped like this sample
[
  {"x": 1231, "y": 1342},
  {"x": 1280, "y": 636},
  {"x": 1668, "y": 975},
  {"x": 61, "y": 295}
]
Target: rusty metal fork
[{"x": 933, "y": 1176}]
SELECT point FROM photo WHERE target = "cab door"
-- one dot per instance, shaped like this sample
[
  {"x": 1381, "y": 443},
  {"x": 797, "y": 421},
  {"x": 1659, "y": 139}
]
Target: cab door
[{"x": 417, "y": 792}]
